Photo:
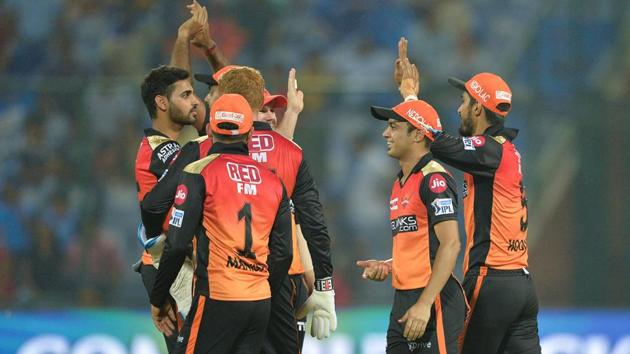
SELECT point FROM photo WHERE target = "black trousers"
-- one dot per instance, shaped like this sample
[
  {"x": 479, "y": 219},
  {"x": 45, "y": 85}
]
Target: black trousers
[
  {"x": 504, "y": 311},
  {"x": 224, "y": 327},
  {"x": 148, "y": 274},
  {"x": 285, "y": 333},
  {"x": 443, "y": 329}
]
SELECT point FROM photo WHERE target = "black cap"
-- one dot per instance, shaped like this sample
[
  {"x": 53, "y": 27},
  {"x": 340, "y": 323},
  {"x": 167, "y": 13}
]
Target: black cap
[
  {"x": 206, "y": 79},
  {"x": 457, "y": 83},
  {"x": 384, "y": 113}
]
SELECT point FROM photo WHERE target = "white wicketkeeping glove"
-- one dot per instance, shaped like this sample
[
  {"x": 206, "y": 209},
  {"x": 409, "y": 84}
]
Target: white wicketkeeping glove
[{"x": 321, "y": 306}]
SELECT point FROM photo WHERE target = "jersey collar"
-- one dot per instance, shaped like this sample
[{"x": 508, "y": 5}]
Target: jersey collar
[
  {"x": 152, "y": 132},
  {"x": 234, "y": 148},
  {"x": 419, "y": 166},
  {"x": 260, "y": 125},
  {"x": 499, "y": 130}
]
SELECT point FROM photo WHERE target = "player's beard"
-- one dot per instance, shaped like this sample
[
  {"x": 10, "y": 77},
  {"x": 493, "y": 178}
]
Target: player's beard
[
  {"x": 467, "y": 126},
  {"x": 178, "y": 116}
]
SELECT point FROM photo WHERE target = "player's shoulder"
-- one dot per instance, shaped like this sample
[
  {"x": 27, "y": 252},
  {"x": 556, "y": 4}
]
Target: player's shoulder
[
  {"x": 434, "y": 166},
  {"x": 198, "y": 166},
  {"x": 286, "y": 141}
]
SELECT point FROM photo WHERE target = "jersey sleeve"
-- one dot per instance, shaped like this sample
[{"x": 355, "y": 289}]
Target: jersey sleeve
[
  {"x": 158, "y": 201},
  {"x": 310, "y": 215},
  {"x": 439, "y": 193},
  {"x": 477, "y": 155},
  {"x": 280, "y": 244},
  {"x": 184, "y": 221}
]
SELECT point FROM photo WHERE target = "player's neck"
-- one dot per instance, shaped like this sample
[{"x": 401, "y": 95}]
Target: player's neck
[
  {"x": 410, "y": 160},
  {"x": 167, "y": 127}
]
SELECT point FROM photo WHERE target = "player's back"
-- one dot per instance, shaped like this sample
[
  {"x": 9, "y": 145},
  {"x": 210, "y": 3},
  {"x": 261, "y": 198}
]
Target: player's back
[{"x": 241, "y": 202}]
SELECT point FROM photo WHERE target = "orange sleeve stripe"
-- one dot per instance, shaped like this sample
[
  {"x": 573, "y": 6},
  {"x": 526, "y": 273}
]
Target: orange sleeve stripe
[
  {"x": 440, "y": 326},
  {"x": 194, "y": 329}
]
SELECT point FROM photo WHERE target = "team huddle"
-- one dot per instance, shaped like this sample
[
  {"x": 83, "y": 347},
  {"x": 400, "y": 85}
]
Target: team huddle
[{"x": 237, "y": 251}]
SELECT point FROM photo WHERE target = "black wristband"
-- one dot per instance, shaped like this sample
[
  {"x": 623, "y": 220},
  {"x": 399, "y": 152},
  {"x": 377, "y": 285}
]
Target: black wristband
[{"x": 325, "y": 284}]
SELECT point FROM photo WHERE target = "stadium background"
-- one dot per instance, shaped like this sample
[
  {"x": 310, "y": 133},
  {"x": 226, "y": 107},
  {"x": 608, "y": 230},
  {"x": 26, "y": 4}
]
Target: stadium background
[{"x": 71, "y": 119}]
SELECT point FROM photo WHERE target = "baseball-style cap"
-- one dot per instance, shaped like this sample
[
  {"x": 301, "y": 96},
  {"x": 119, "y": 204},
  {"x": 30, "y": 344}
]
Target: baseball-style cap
[
  {"x": 489, "y": 89},
  {"x": 231, "y": 108},
  {"x": 274, "y": 101},
  {"x": 415, "y": 112},
  {"x": 213, "y": 80}
]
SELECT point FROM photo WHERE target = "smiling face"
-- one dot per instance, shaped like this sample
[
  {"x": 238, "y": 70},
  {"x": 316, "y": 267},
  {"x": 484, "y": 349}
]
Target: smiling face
[
  {"x": 183, "y": 104},
  {"x": 400, "y": 138},
  {"x": 268, "y": 115}
]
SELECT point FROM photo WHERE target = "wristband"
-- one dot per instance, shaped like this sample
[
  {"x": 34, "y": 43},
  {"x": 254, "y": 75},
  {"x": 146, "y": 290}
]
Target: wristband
[{"x": 325, "y": 284}]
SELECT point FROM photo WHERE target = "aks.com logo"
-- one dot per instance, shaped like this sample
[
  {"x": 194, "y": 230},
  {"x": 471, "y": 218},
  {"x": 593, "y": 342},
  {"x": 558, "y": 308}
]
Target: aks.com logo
[{"x": 405, "y": 223}]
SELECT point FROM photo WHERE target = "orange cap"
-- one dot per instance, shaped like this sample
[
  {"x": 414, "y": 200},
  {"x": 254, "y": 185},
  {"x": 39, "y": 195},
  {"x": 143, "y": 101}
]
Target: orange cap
[
  {"x": 274, "y": 101},
  {"x": 231, "y": 108},
  {"x": 489, "y": 89},
  {"x": 416, "y": 112},
  {"x": 213, "y": 80}
]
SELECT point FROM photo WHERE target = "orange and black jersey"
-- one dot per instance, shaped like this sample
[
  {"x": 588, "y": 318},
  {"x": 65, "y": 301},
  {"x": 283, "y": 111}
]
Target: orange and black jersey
[
  {"x": 428, "y": 197},
  {"x": 495, "y": 202},
  {"x": 282, "y": 157},
  {"x": 155, "y": 155},
  {"x": 240, "y": 214}
]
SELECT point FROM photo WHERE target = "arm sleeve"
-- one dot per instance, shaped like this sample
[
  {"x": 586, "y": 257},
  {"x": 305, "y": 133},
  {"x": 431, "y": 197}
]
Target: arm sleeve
[
  {"x": 280, "y": 244},
  {"x": 477, "y": 155},
  {"x": 158, "y": 201},
  {"x": 310, "y": 215},
  {"x": 439, "y": 193},
  {"x": 184, "y": 221}
]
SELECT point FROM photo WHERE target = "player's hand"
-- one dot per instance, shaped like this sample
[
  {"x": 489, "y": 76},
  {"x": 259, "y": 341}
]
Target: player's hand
[
  {"x": 410, "y": 79},
  {"x": 402, "y": 54},
  {"x": 196, "y": 23},
  {"x": 374, "y": 269},
  {"x": 202, "y": 38},
  {"x": 295, "y": 97},
  {"x": 415, "y": 320},
  {"x": 321, "y": 304},
  {"x": 164, "y": 319}
]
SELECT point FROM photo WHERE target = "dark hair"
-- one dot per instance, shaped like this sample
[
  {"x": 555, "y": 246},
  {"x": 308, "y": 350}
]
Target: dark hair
[
  {"x": 491, "y": 117},
  {"x": 160, "y": 81},
  {"x": 229, "y": 138},
  {"x": 411, "y": 127}
]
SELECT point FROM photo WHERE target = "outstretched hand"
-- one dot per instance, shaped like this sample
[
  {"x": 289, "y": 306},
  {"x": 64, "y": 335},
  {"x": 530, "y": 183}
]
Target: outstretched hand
[
  {"x": 374, "y": 269},
  {"x": 295, "y": 97}
]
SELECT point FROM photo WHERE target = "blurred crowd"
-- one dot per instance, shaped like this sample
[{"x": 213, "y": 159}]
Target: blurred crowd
[{"x": 71, "y": 116}]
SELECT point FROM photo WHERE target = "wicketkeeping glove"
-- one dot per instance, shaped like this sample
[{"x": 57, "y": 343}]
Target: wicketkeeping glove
[{"x": 321, "y": 304}]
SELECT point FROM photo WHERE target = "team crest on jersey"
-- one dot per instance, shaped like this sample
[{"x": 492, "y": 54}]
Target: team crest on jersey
[
  {"x": 177, "y": 216},
  {"x": 181, "y": 194},
  {"x": 442, "y": 206},
  {"x": 393, "y": 204}
]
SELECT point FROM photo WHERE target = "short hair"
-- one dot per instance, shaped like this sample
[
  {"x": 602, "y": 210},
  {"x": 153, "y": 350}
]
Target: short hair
[
  {"x": 411, "y": 128},
  {"x": 491, "y": 117},
  {"x": 247, "y": 82},
  {"x": 159, "y": 82}
]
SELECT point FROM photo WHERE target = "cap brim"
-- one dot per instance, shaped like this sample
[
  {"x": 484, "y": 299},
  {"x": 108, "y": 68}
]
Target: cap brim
[
  {"x": 383, "y": 113},
  {"x": 275, "y": 101},
  {"x": 457, "y": 83},
  {"x": 206, "y": 79}
]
